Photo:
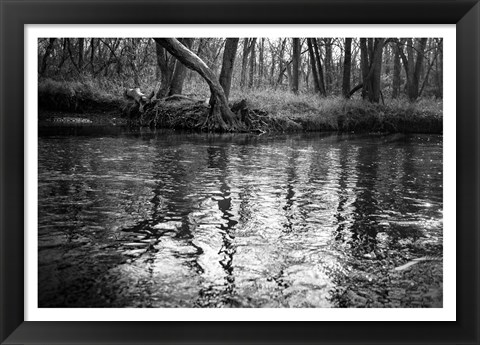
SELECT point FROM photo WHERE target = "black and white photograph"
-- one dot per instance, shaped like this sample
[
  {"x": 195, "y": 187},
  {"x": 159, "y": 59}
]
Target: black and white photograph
[{"x": 240, "y": 172}]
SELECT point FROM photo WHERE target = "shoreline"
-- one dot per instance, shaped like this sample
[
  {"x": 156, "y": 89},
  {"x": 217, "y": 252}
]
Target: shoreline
[
  {"x": 345, "y": 124},
  {"x": 262, "y": 111}
]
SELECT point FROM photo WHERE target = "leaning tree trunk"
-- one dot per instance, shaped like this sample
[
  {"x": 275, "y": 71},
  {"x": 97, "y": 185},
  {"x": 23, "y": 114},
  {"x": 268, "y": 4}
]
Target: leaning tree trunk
[
  {"x": 223, "y": 117},
  {"x": 227, "y": 65},
  {"x": 180, "y": 72}
]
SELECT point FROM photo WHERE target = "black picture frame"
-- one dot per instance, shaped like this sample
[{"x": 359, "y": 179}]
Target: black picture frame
[{"x": 15, "y": 14}]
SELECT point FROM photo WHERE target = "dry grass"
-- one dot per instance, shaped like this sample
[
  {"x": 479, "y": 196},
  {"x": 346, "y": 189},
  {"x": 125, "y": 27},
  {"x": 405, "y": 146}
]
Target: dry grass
[
  {"x": 305, "y": 111},
  {"x": 78, "y": 96},
  {"x": 336, "y": 113}
]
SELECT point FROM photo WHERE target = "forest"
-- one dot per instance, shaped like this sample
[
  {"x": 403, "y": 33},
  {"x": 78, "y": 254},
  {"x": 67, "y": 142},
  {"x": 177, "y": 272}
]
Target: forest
[
  {"x": 240, "y": 172},
  {"x": 244, "y": 84}
]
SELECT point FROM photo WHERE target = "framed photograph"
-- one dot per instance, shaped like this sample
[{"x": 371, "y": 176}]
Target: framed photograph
[{"x": 239, "y": 172}]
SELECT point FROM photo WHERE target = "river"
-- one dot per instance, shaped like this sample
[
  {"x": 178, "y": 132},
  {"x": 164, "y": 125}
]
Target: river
[{"x": 160, "y": 219}]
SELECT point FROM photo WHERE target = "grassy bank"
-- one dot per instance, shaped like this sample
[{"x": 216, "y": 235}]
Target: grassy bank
[
  {"x": 338, "y": 114},
  {"x": 75, "y": 96},
  {"x": 267, "y": 110}
]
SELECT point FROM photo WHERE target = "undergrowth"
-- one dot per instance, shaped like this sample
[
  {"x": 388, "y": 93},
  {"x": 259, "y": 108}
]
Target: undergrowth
[
  {"x": 275, "y": 110},
  {"x": 337, "y": 113},
  {"x": 76, "y": 96}
]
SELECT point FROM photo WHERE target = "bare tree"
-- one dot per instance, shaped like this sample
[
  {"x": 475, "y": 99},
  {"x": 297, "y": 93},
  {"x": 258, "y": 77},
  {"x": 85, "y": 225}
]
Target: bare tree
[
  {"x": 371, "y": 67},
  {"x": 313, "y": 63},
  {"x": 180, "y": 71},
  {"x": 323, "y": 91},
  {"x": 413, "y": 64},
  {"x": 81, "y": 42},
  {"x": 295, "y": 63},
  {"x": 281, "y": 66},
  {"x": 229, "y": 53},
  {"x": 252, "y": 63},
  {"x": 222, "y": 117},
  {"x": 166, "y": 65},
  {"x": 347, "y": 65},
  {"x": 328, "y": 64},
  {"x": 48, "y": 51},
  {"x": 396, "y": 82},
  {"x": 260, "y": 61},
  {"x": 243, "y": 75}
]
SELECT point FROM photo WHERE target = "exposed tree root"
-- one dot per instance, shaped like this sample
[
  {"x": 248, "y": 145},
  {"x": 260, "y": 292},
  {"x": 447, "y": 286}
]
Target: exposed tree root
[
  {"x": 190, "y": 114},
  {"x": 181, "y": 112}
]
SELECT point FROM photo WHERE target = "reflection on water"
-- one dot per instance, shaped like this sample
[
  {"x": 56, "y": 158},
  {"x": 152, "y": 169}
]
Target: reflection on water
[{"x": 170, "y": 220}]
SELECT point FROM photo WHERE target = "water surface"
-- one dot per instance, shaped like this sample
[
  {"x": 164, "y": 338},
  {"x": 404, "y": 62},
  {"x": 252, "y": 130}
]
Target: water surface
[{"x": 157, "y": 219}]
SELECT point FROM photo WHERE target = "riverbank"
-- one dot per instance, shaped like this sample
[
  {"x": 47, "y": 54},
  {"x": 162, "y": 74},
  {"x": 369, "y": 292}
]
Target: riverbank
[{"x": 76, "y": 103}]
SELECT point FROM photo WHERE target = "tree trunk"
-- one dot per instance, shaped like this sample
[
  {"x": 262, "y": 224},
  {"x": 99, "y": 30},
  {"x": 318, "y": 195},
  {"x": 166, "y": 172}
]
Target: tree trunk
[
  {"x": 224, "y": 119},
  {"x": 289, "y": 76},
  {"x": 377, "y": 70},
  {"x": 439, "y": 69},
  {"x": 426, "y": 78},
  {"x": 323, "y": 91},
  {"x": 243, "y": 75},
  {"x": 347, "y": 65},
  {"x": 229, "y": 53},
  {"x": 412, "y": 94},
  {"x": 414, "y": 67},
  {"x": 260, "y": 62},
  {"x": 295, "y": 64},
  {"x": 365, "y": 64},
  {"x": 328, "y": 64},
  {"x": 64, "y": 54},
  {"x": 165, "y": 71},
  {"x": 72, "y": 60},
  {"x": 180, "y": 72},
  {"x": 316, "y": 82},
  {"x": 92, "y": 55},
  {"x": 252, "y": 63},
  {"x": 306, "y": 73},
  {"x": 48, "y": 51},
  {"x": 81, "y": 42},
  {"x": 396, "y": 73},
  {"x": 272, "y": 70},
  {"x": 371, "y": 76},
  {"x": 419, "y": 66},
  {"x": 281, "y": 68}
]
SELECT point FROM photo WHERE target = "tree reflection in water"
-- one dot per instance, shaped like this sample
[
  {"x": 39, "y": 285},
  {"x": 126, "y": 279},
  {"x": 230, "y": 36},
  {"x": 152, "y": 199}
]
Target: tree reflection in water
[{"x": 169, "y": 220}]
